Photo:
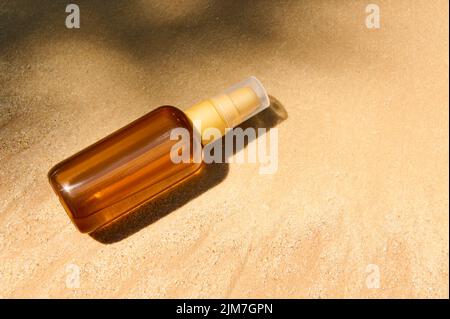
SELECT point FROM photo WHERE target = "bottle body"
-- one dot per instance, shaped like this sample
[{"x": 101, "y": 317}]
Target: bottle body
[{"x": 123, "y": 171}]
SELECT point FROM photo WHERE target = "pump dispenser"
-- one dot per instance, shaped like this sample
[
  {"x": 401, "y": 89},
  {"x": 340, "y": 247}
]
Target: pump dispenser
[
  {"x": 230, "y": 108},
  {"x": 128, "y": 168}
]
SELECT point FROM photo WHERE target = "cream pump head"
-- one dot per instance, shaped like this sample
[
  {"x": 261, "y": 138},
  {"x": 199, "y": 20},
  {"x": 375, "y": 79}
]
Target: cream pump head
[{"x": 230, "y": 108}]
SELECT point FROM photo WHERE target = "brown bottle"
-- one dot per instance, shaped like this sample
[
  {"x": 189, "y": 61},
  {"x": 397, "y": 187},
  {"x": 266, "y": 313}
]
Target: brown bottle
[{"x": 126, "y": 169}]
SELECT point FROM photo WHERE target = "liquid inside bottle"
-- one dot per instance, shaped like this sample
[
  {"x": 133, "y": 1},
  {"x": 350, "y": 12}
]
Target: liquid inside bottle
[{"x": 122, "y": 171}]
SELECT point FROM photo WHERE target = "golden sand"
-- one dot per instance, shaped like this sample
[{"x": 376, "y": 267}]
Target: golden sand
[{"x": 362, "y": 183}]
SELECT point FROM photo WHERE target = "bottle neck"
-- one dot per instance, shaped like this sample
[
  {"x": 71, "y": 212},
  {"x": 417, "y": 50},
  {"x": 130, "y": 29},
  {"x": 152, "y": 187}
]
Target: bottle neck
[
  {"x": 223, "y": 111},
  {"x": 205, "y": 115}
]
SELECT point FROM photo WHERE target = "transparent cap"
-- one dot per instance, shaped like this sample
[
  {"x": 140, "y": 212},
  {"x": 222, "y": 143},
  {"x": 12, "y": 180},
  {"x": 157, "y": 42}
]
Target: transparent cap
[{"x": 241, "y": 101}]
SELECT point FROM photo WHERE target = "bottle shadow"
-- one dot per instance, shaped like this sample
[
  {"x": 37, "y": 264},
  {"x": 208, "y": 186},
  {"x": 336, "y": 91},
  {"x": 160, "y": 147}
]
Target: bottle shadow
[{"x": 208, "y": 176}]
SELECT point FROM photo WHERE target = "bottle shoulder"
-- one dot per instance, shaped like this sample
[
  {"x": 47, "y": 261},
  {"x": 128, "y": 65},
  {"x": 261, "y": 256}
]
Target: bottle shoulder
[{"x": 174, "y": 112}]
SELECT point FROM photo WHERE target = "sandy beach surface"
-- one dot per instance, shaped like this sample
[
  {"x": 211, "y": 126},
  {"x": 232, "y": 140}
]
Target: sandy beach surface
[{"x": 358, "y": 207}]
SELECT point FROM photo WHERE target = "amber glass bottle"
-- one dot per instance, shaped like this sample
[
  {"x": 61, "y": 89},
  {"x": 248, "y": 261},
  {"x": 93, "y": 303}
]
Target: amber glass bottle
[{"x": 132, "y": 165}]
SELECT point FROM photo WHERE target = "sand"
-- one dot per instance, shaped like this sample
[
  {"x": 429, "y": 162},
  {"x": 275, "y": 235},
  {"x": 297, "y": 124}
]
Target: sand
[{"x": 359, "y": 204}]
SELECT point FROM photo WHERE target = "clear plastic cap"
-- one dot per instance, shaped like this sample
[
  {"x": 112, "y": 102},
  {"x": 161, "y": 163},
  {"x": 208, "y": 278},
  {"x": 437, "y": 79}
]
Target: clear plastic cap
[{"x": 241, "y": 101}]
